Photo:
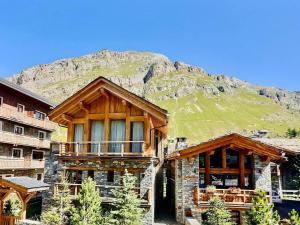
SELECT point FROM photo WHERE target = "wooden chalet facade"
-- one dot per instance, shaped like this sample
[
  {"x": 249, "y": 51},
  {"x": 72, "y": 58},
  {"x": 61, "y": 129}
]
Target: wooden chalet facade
[
  {"x": 25, "y": 131},
  {"x": 235, "y": 165},
  {"x": 109, "y": 130}
]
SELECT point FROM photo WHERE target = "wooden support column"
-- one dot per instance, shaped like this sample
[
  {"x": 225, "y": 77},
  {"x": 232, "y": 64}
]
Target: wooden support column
[
  {"x": 147, "y": 129},
  {"x": 106, "y": 124},
  {"x": 207, "y": 168},
  {"x": 224, "y": 158},
  {"x": 87, "y": 134},
  {"x": 70, "y": 137},
  {"x": 128, "y": 128},
  {"x": 242, "y": 169}
]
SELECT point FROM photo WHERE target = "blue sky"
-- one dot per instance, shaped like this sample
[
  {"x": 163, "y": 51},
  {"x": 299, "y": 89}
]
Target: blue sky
[{"x": 254, "y": 40}]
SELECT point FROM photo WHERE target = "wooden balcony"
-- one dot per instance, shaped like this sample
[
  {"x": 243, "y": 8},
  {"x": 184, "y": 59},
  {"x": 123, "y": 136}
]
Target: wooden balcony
[
  {"x": 106, "y": 193},
  {"x": 23, "y": 118},
  {"x": 11, "y": 163},
  {"x": 16, "y": 140},
  {"x": 239, "y": 198},
  {"x": 100, "y": 149}
]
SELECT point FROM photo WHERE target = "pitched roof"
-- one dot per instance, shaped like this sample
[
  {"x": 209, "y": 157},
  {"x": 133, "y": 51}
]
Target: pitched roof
[
  {"x": 235, "y": 140},
  {"x": 24, "y": 91},
  {"x": 291, "y": 146},
  {"x": 26, "y": 184},
  {"x": 117, "y": 90}
]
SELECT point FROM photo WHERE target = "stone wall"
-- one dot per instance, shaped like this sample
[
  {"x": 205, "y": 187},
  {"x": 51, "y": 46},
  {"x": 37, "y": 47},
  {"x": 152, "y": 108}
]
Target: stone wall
[
  {"x": 54, "y": 170},
  {"x": 187, "y": 177},
  {"x": 262, "y": 174}
]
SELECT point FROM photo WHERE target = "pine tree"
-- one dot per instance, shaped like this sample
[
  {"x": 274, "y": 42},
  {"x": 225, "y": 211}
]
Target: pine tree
[
  {"x": 261, "y": 212},
  {"x": 217, "y": 214},
  {"x": 59, "y": 206},
  {"x": 126, "y": 206},
  {"x": 88, "y": 205},
  {"x": 294, "y": 218}
]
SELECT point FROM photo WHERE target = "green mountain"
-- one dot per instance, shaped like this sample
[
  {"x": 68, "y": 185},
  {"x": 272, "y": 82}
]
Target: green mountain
[{"x": 201, "y": 105}]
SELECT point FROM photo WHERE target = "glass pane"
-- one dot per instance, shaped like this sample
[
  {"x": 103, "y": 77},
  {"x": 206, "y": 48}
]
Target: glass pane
[
  {"x": 231, "y": 180},
  {"x": 248, "y": 161},
  {"x": 97, "y": 136},
  {"x": 78, "y": 136},
  {"x": 137, "y": 134},
  {"x": 117, "y": 135},
  {"x": 217, "y": 180},
  {"x": 201, "y": 180},
  {"x": 202, "y": 160},
  {"x": 232, "y": 158},
  {"x": 216, "y": 159}
]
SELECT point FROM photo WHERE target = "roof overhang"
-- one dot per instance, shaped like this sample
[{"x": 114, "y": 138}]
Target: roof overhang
[
  {"x": 236, "y": 141},
  {"x": 102, "y": 84},
  {"x": 23, "y": 184}
]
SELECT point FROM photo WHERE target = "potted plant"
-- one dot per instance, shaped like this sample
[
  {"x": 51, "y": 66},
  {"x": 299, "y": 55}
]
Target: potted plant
[
  {"x": 234, "y": 190},
  {"x": 210, "y": 189}
]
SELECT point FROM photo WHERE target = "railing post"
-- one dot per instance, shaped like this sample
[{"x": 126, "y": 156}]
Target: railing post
[
  {"x": 99, "y": 149},
  {"x": 77, "y": 148},
  {"x": 122, "y": 149}
]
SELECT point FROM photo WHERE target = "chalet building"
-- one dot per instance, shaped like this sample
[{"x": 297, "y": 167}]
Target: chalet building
[
  {"x": 235, "y": 165},
  {"x": 110, "y": 130},
  {"x": 25, "y": 131}
]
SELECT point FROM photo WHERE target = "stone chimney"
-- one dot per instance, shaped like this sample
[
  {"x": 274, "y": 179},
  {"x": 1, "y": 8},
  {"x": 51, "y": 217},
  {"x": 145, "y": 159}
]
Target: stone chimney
[{"x": 181, "y": 143}]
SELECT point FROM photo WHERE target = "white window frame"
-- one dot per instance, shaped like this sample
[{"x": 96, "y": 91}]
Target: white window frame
[
  {"x": 35, "y": 150},
  {"x": 45, "y": 115},
  {"x": 15, "y": 130},
  {"x": 23, "y": 106},
  {"x": 42, "y": 176},
  {"x": 45, "y": 134},
  {"x": 12, "y": 153},
  {"x": 1, "y": 101}
]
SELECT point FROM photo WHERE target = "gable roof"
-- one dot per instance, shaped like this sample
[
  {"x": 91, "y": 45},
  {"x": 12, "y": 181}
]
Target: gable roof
[
  {"x": 115, "y": 89},
  {"x": 24, "y": 91},
  {"x": 291, "y": 146},
  {"x": 232, "y": 140}
]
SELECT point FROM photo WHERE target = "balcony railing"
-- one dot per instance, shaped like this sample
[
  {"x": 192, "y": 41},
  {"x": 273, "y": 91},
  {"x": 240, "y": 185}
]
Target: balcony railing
[
  {"x": 240, "y": 197},
  {"x": 11, "y": 163},
  {"x": 24, "y": 118},
  {"x": 15, "y": 139},
  {"x": 106, "y": 192},
  {"x": 109, "y": 148}
]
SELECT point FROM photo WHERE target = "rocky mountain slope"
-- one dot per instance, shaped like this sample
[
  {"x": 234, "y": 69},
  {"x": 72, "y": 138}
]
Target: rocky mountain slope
[{"x": 201, "y": 105}]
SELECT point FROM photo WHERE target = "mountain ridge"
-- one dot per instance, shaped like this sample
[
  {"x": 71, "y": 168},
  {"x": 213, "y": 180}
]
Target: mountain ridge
[{"x": 179, "y": 87}]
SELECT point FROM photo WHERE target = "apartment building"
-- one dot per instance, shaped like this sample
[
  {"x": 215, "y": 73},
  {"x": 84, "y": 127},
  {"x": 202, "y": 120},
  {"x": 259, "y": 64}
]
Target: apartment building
[{"x": 25, "y": 131}]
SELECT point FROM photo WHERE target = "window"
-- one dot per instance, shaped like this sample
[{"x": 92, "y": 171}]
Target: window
[
  {"x": 91, "y": 174},
  {"x": 39, "y": 115},
  {"x": 97, "y": 136},
  {"x": 248, "y": 161},
  {"x": 39, "y": 176},
  {"x": 216, "y": 159},
  {"x": 202, "y": 160},
  {"x": 137, "y": 136},
  {"x": 37, "y": 155},
  {"x": 41, "y": 135},
  {"x": 6, "y": 175},
  {"x": 201, "y": 180},
  {"x": 117, "y": 135},
  {"x": 110, "y": 176},
  {"x": 232, "y": 159},
  {"x": 1, "y": 101},
  {"x": 17, "y": 153},
  {"x": 225, "y": 180},
  {"x": 78, "y": 135},
  {"x": 19, "y": 130},
  {"x": 20, "y": 108}
]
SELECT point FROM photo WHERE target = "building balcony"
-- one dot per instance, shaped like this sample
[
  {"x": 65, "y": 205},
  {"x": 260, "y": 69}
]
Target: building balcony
[
  {"x": 11, "y": 163},
  {"x": 13, "y": 115},
  {"x": 239, "y": 198},
  {"x": 106, "y": 192},
  {"x": 100, "y": 149},
  {"x": 22, "y": 140}
]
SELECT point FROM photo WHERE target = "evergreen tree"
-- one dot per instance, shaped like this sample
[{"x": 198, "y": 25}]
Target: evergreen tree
[
  {"x": 126, "y": 206},
  {"x": 217, "y": 214},
  {"x": 292, "y": 133},
  {"x": 294, "y": 218},
  {"x": 59, "y": 206},
  {"x": 261, "y": 212},
  {"x": 88, "y": 205}
]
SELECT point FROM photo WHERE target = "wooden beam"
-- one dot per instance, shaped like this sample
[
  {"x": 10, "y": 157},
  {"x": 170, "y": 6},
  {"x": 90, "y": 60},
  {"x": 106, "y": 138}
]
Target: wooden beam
[
  {"x": 207, "y": 168},
  {"x": 106, "y": 124},
  {"x": 128, "y": 128},
  {"x": 242, "y": 169},
  {"x": 224, "y": 158},
  {"x": 87, "y": 134},
  {"x": 84, "y": 107},
  {"x": 67, "y": 117}
]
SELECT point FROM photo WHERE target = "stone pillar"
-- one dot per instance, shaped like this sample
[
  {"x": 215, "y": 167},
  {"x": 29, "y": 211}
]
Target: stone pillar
[{"x": 262, "y": 173}]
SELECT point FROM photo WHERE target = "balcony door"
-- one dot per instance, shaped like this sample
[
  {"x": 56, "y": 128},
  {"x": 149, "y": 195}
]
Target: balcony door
[
  {"x": 97, "y": 136},
  {"x": 137, "y": 136},
  {"x": 117, "y": 135},
  {"x": 78, "y": 136}
]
